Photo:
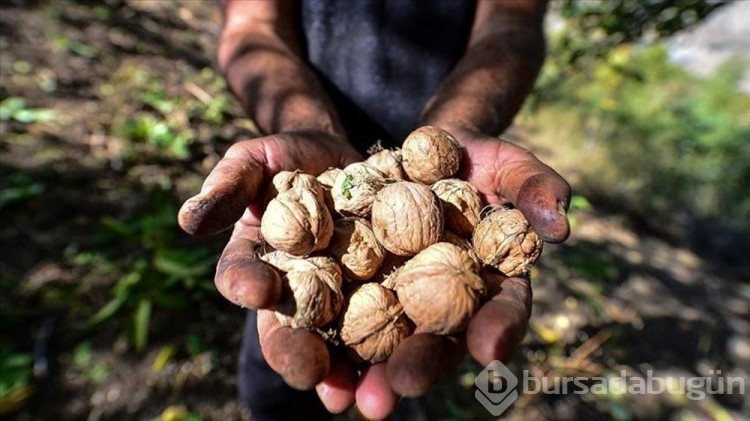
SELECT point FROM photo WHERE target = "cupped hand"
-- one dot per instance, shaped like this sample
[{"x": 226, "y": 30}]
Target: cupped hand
[
  {"x": 232, "y": 194},
  {"x": 503, "y": 173}
]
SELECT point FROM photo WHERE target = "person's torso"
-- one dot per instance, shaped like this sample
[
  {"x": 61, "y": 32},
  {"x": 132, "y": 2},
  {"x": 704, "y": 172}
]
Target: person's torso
[{"x": 381, "y": 60}]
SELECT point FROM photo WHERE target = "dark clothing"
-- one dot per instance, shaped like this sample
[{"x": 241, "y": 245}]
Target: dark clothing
[
  {"x": 380, "y": 61},
  {"x": 264, "y": 392}
]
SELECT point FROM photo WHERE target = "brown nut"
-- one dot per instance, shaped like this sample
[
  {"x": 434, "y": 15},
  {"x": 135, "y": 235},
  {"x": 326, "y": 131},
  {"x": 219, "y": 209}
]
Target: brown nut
[
  {"x": 372, "y": 324},
  {"x": 430, "y": 154},
  {"x": 439, "y": 289},
  {"x": 461, "y": 205},
  {"x": 505, "y": 240},
  {"x": 355, "y": 248},
  {"x": 449, "y": 237},
  {"x": 407, "y": 217},
  {"x": 295, "y": 222},
  {"x": 388, "y": 161},
  {"x": 287, "y": 180},
  {"x": 313, "y": 296},
  {"x": 326, "y": 179},
  {"x": 355, "y": 188}
]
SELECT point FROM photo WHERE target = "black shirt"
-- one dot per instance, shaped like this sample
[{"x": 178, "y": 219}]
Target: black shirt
[{"x": 381, "y": 60}]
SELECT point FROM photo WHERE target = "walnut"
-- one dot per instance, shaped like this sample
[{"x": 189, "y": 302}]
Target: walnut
[
  {"x": 326, "y": 179},
  {"x": 372, "y": 324},
  {"x": 355, "y": 188},
  {"x": 407, "y": 217},
  {"x": 505, "y": 240},
  {"x": 449, "y": 237},
  {"x": 440, "y": 289},
  {"x": 389, "y": 269},
  {"x": 287, "y": 180},
  {"x": 461, "y": 205},
  {"x": 430, "y": 154},
  {"x": 388, "y": 161},
  {"x": 356, "y": 249},
  {"x": 312, "y": 296},
  {"x": 297, "y": 223}
]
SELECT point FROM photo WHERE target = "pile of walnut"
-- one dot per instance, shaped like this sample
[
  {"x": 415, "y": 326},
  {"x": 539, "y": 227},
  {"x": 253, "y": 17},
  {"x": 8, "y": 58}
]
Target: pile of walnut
[{"x": 370, "y": 252}]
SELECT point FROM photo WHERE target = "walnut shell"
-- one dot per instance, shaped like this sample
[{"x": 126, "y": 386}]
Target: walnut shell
[
  {"x": 355, "y": 248},
  {"x": 372, "y": 324},
  {"x": 297, "y": 223},
  {"x": 461, "y": 205},
  {"x": 463, "y": 243},
  {"x": 312, "y": 290},
  {"x": 388, "y": 161},
  {"x": 287, "y": 180},
  {"x": 407, "y": 217},
  {"x": 355, "y": 188},
  {"x": 326, "y": 179},
  {"x": 439, "y": 289},
  {"x": 430, "y": 154},
  {"x": 505, "y": 240}
]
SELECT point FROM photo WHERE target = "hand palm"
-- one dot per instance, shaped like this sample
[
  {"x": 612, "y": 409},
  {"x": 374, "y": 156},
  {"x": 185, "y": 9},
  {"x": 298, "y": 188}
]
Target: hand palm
[{"x": 233, "y": 192}]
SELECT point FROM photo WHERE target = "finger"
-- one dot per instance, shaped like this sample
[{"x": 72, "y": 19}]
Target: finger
[
  {"x": 544, "y": 199},
  {"x": 421, "y": 361},
  {"x": 375, "y": 398},
  {"x": 539, "y": 192},
  {"x": 299, "y": 356},
  {"x": 227, "y": 191},
  {"x": 241, "y": 277},
  {"x": 500, "y": 325},
  {"x": 337, "y": 390}
]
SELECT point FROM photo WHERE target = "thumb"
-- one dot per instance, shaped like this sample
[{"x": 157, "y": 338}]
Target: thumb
[{"x": 227, "y": 191}]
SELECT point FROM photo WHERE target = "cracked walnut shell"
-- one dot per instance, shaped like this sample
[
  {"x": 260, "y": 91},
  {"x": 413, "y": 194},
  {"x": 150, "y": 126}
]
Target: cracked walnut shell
[
  {"x": 461, "y": 205},
  {"x": 312, "y": 290},
  {"x": 355, "y": 248}
]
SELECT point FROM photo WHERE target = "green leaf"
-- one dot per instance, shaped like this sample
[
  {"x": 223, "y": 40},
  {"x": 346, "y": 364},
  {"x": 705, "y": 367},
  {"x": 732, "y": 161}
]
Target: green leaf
[
  {"x": 106, "y": 312},
  {"x": 141, "y": 321},
  {"x": 15, "y": 372},
  {"x": 347, "y": 185},
  {"x": 11, "y": 106}
]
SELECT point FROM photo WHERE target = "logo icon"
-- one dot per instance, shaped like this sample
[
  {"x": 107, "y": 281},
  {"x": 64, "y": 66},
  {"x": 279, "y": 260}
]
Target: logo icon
[{"x": 496, "y": 388}]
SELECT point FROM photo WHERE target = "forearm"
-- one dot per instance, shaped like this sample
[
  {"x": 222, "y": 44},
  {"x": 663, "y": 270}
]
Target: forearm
[
  {"x": 259, "y": 56},
  {"x": 488, "y": 86}
]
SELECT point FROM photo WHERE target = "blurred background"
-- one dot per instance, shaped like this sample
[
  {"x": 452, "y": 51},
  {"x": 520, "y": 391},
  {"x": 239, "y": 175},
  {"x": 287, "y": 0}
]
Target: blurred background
[{"x": 112, "y": 112}]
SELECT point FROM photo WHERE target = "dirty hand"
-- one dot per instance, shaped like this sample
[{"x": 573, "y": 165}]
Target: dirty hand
[{"x": 503, "y": 173}]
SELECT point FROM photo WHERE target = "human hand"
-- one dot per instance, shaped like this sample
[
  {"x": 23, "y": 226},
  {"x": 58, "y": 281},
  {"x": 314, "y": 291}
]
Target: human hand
[
  {"x": 233, "y": 194},
  {"x": 503, "y": 173},
  {"x": 233, "y": 189}
]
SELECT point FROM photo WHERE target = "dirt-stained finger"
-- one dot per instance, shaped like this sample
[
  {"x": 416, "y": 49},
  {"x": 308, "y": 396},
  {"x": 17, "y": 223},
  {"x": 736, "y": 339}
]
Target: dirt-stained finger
[
  {"x": 227, "y": 191},
  {"x": 421, "y": 361},
  {"x": 544, "y": 200},
  {"x": 241, "y": 277},
  {"x": 299, "y": 356},
  {"x": 500, "y": 324}
]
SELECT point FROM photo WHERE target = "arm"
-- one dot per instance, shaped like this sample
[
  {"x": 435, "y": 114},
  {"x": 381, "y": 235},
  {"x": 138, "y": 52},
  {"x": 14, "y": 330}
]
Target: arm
[
  {"x": 479, "y": 100},
  {"x": 260, "y": 55},
  {"x": 488, "y": 86}
]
